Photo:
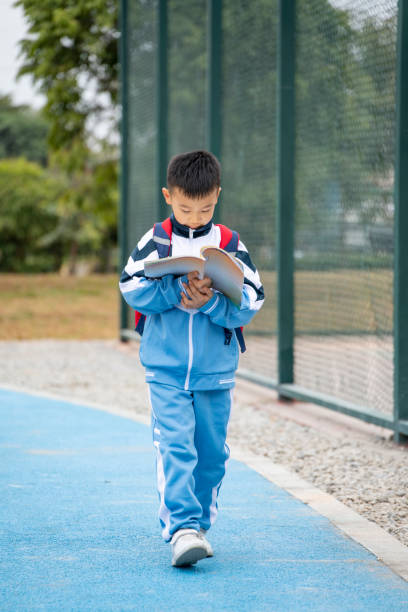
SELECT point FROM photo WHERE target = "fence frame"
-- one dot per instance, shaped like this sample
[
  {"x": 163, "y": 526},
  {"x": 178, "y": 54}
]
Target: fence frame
[
  {"x": 285, "y": 221},
  {"x": 214, "y": 81},
  {"x": 162, "y": 92},
  {"x": 123, "y": 166},
  {"x": 285, "y": 143},
  {"x": 400, "y": 233}
]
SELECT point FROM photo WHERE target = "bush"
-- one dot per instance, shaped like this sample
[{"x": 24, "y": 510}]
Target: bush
[{"x": 28, "y": 211}]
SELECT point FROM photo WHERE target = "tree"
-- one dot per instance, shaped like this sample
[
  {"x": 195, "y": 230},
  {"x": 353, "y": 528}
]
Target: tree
[
  {"x": 345, "y": 119},
  {"x": 23, "y": 131},
  {"x": 87, "y": 206},
  {"x": 28, "y": 211},
  {"x": 71, "y": 53}
]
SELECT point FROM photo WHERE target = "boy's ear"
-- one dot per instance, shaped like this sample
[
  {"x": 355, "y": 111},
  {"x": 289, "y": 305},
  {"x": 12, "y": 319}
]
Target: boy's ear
[{"x": 166, "y": 195}]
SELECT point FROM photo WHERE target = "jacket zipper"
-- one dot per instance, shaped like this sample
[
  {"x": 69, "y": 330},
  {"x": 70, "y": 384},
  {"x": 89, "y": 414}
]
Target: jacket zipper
[{"x": 190, "y": 330}]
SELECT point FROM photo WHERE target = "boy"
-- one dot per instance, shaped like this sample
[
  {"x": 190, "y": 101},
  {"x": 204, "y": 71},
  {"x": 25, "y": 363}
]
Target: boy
[{"x": 190, "y": 353}]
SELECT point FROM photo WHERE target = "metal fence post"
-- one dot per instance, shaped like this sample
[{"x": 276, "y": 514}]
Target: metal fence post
[
  {"x": 123, "y": 174},
  {"x": 162, "y": 106},
  {"x": 285, "y": 189},
  {"x": 214, "y": 95},
  {"x": 401, "y": 230}
]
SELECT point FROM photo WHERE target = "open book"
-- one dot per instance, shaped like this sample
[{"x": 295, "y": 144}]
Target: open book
[{"x": 225, "y": 270}]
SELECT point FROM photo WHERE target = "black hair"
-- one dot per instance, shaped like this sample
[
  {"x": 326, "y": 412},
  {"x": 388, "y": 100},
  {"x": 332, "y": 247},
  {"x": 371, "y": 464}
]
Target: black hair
[{"x": 196, "y": 173}]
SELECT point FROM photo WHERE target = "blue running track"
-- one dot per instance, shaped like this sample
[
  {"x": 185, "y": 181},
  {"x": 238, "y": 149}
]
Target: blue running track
[{"x": 79, "y": 529}]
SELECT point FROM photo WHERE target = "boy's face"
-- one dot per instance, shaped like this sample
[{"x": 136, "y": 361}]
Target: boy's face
[{"x": 193, "y": 212}]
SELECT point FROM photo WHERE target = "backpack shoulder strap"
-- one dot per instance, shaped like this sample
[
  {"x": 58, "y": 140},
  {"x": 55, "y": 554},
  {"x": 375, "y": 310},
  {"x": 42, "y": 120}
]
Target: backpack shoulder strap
[
  {"x": 229, "y": 238},
  {"x": 162, "y": 233},
  {"x": 140, "y": 320},
  {"x": 229, "y": 242},
  {"x": 162, "y": 237}
]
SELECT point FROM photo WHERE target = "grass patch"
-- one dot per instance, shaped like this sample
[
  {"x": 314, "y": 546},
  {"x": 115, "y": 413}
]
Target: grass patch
[{"x": 50, "y": 306}]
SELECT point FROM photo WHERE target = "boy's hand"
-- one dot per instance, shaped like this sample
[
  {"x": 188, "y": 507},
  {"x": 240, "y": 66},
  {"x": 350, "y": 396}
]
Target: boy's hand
[
  {"x": 198, "y": 292},
  {"x": 198, "y": 283}
]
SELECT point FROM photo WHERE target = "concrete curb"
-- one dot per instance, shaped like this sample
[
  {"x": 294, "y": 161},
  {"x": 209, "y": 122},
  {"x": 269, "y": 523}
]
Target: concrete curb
[
  {"x": 383, "y": 545},
  {"x": 378, "y": 541}
]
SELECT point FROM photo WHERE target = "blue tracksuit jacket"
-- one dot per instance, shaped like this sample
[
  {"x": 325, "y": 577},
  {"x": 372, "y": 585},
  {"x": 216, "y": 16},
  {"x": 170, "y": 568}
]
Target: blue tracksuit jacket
[{"x": 185, "y": 347}]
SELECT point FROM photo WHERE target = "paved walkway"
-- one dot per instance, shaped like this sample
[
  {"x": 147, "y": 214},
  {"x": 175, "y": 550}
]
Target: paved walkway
[{"x": 79, "y": 529}]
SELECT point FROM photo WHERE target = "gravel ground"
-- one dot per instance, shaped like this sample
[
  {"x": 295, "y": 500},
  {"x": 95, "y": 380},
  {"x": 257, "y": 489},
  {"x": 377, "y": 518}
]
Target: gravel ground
[{"x": 369, "y": 474}]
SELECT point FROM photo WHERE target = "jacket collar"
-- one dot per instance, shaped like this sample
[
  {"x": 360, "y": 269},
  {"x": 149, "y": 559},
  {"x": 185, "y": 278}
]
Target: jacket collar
[{"x": 184, "y": 230}]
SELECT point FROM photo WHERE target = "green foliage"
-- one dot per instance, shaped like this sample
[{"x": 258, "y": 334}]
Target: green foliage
[
  {"x": 47, "y": 216},
  {"x": 23, "y": 132},
  {"x": 28, "y": 210},
  {"x": 249, "y": 116},
  {"x": 187, "y": 39},
  {"x": 71, "y": 53},
  {"x": 87, "y": 205},
  {"x": 345, "y": 99}
]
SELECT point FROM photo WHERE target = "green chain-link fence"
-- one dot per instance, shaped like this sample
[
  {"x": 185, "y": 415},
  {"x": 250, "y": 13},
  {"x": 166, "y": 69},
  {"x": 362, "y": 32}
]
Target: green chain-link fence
[{"x": 306, "y": 96}]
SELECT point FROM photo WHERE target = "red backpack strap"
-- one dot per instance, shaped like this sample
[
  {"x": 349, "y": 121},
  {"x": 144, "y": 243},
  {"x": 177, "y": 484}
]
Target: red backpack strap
[
  {"x": 167, "y": 226},
  {"x": 162, "y": 236},
  {"x": 140, "y": 320},
  {"x": 229, "y": 242},
  {"x": 240, "y": 337},
  {"x": 229, "y": 238},
  {"x": 162, "y": 233}
]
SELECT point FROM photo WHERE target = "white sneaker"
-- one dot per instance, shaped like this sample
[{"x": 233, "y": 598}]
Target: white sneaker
[
  {"x": 188, "y": 547},
  {"x": 208, "y": 546}
]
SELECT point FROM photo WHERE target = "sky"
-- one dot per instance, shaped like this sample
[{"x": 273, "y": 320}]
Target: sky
[{"x": 12, "y": 29}]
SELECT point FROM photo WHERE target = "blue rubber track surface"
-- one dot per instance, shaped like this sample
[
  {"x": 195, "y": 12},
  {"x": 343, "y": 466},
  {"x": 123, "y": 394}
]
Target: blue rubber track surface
[{"x": 79, "y": 529}]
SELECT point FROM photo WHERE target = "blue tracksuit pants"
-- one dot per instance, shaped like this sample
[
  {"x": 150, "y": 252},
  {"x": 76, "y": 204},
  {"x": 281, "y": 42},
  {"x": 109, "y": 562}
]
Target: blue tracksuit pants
[{"x": 189, "y": 430}]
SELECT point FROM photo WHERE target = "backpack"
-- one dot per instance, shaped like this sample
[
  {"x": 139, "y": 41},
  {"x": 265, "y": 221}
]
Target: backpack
[{"x": 162, "y": 236}]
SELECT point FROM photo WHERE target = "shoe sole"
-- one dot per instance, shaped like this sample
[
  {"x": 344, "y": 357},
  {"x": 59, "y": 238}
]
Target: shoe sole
[{"x": 190, "y": 556}]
